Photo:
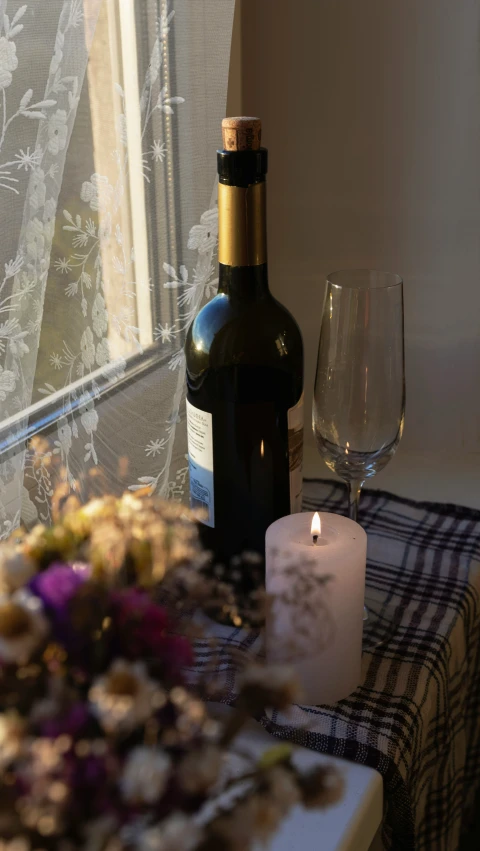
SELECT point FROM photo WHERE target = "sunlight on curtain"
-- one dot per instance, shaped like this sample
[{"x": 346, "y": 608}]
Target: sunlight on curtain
[{"x": 110, "y": 120}]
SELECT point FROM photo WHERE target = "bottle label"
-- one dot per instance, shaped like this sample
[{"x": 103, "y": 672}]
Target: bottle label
[
  {"x": 200, "y": 456},
  {"x": 295, "y": 455}
]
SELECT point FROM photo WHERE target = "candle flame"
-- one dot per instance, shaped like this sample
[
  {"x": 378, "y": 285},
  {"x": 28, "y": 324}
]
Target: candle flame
[
  {"x": 316, "y": 525},
  {"x": 262, "y": 449}
]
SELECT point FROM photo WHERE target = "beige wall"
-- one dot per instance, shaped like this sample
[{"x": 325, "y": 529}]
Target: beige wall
[{"x": 371, "y": 112}]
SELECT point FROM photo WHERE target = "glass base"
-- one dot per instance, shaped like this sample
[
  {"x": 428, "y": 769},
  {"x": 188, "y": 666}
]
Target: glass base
[{"x": 381, "y": 621}]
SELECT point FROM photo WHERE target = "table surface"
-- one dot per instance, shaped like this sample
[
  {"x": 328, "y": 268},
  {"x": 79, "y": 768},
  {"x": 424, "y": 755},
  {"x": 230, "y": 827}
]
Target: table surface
[
  {"x": 349, "y": 825},
  {"x": 414, "y": 717}
]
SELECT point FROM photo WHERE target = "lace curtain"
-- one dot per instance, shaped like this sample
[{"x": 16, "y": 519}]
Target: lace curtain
[{"x": 109, "y": 119}]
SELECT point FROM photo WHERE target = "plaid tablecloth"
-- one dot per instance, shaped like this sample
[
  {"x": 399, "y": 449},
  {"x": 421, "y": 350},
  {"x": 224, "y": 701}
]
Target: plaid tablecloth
[{"x": 416, "y": 716}]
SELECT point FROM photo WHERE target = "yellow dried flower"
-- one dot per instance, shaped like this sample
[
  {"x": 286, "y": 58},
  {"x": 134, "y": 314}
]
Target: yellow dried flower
[
  {"x": 276, "y": 754},
  {"x": 46, "y": 545}
]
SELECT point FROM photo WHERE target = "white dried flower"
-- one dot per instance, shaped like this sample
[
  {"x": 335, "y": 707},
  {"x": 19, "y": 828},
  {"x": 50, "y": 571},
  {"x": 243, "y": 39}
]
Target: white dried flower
[
  {"x": 268, "y": 816},
  {"x": 16, "y": 569},
  {"x": 236, "y": 828},
  {"x": 145, "y": 775},
  {"x": 272, "y": 805},
  {"x": 174, "y": 833},
  {"x": 18, "y": 843},
  {"x": 22, "y": 627},
  {"x": 282, "y": 788},
  {"x": 122, "y": 698},
  {"x": 199, "y": 770},
  {"x": 260, "y": 814},
  {"x": 45, "y": 756},
  {"x": 11, "y": 738}
]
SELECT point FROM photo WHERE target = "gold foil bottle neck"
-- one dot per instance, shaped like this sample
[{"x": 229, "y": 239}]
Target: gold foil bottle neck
[
  {"x": 243, "y": 133},
  {"x": 242, "y": 225}
]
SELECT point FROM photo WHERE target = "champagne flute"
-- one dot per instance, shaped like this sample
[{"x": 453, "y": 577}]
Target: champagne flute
[{"x": 359, "y": 399}]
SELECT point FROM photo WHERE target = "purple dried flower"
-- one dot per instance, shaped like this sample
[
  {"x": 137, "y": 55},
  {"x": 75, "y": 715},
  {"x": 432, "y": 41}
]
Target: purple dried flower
[
  {"x": 57, "y": 585},
  {"x": 56, "y": 588},
  {"x": 84, "y": 775},
  {"x": 70, "y": 723},
  {"x": 142, "y": 633},
  {"x": 177, "y": 653},
  {"x": 141, "y": 624}
]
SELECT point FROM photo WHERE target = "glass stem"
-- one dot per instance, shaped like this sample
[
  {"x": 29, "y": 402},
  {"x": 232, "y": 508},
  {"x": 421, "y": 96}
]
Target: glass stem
[{"x": 354, "y": 490}]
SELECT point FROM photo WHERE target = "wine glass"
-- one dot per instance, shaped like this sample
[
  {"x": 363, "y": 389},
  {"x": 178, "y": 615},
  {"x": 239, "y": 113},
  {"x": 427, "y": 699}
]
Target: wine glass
[{"x": 359, "y": 399}]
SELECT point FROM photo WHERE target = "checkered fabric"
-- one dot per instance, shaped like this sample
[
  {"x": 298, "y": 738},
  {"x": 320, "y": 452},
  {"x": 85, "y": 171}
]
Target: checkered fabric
[{"x": 416, "y": 716}]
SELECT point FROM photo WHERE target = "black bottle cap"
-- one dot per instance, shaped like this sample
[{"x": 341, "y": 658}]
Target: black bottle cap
[{"x": 241, "y": 168}]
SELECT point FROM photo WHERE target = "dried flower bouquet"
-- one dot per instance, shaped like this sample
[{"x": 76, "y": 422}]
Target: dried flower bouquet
[{"x": 104, "y": 746}]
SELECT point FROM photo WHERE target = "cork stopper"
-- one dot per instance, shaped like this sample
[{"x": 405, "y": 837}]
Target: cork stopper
[{"x": 243, "y": 133}]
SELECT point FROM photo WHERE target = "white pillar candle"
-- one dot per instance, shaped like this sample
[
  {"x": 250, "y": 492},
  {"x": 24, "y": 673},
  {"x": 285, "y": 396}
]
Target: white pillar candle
[{"x": 317, "y": 625}]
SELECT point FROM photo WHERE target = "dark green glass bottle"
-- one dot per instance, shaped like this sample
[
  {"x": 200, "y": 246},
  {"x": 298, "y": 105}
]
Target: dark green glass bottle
[{"x": 244, "y": 357}]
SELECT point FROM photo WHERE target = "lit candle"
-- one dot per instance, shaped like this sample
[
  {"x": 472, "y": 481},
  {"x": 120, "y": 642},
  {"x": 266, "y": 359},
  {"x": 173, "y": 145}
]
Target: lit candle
[{"x": 315, "y": 575}]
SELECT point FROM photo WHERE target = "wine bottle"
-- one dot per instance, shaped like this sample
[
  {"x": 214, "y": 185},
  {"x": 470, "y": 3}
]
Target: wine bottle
[{"x": 244, "y": 358}]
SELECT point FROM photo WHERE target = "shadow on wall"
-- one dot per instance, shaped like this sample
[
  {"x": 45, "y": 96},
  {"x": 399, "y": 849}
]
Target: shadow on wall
[{"x": 371, "y": 113}]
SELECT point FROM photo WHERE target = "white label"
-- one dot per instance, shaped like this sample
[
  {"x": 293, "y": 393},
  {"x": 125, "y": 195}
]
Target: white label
[
  {"x": 200, "y": 456},
  {"x": 295, "y": 455}
]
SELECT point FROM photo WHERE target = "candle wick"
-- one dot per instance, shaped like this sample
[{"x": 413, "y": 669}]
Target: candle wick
[{"x": 315, "y": 539}]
